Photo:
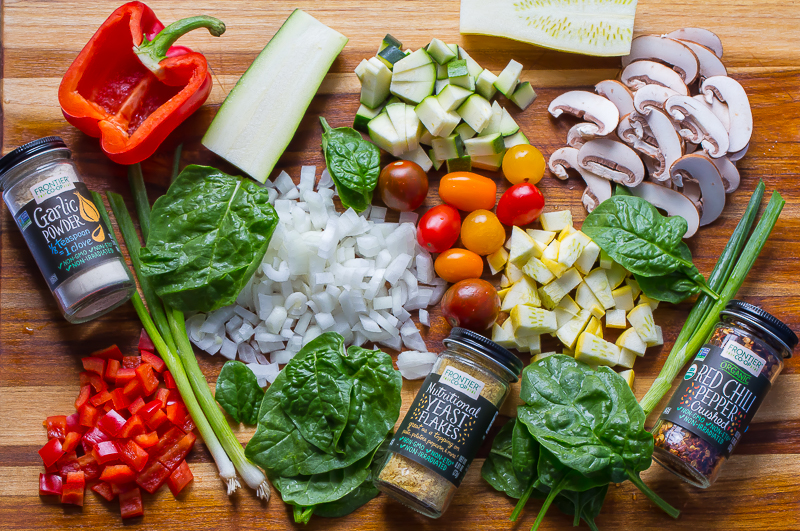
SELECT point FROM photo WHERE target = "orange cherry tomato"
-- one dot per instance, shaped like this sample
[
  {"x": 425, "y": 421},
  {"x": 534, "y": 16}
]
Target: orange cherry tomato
[
  {"x": 523, "y": 162},
  {"x": 482, "y": 232},
  {"x": 458, "y": 264},
  {"x": 468, "y": 191}
]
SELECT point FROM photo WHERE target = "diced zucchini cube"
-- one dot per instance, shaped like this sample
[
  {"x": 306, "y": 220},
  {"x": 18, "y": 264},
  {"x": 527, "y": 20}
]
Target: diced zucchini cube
[
  {"x": 551, "y": 295},
  {"x": 497, "y": 260},
  {"x": 363, "y": 117},
  {"x": 521, "y": 292},
  {"x": 426, "y": 137},
  {"x": 420, "y": 156},
  {"x": 623, "y": 298},
  {"x": 523, "y": 95},
  {"x": 507, "y": 80},
  {"x": 504, "y": 282},
  {"x": 532, "y": 344},
  {"x": 598, "y": 282},
  {"x": 562, "y": 316},
  {"x": 476, "y": 112},
  {"x": 484, "y": 84},
  {"x": 641, "y": 318},
  {"x": 384, "y": 135},
  {"x": 436, "y": 162},
  {"x": 362, "y": 69},
  {"x": 538, "y": 271},
  {"x": 440, "y": 52},
  {"x": 474, "y": 68},
  {"x": 616, "y": 319},
  {"x": 566, "y": 231},
  {"x": 452, "y": 96},
  {"x": 489, "y": 162},
  {"x": 440, "y": 85},
  {"x": 570, "y": 280},
  {"x": 460, "y": 164},
  {"x": 441, "y": 71},
  {"x": 457, "y": 68},
  {"x": 631, "y": 340},
  {"x": 390, "y": 56},
  {"x": 493, "y": 126},
  {"x": 585, "y": 262},
  {"x": 397, "y": 114},
  {"x": 390, "y": 41},
  {"x": 450, "y": 147},
  {"x": 465, "y": 131},
  {"x": 595, "y": 351},
  {"x": 515, "y": 140},
  {"x": 556, "y": 221},
  {"x": 485, "y": 145},
  {"x": 508, "y": 126},
  {"x": 431, "y": 114},
  {"x": 375, "y": 83},
  {"x": 414, "y": 60},
  {"x": 527, "y": 320}
]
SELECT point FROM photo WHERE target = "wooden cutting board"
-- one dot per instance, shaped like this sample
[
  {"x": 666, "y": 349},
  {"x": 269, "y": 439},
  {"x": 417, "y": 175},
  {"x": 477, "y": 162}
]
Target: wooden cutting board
[{"x": 40, "y": 352}]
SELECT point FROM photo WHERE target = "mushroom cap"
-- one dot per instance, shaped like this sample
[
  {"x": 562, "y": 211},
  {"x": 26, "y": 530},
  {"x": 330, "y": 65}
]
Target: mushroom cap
[
  {"x": 701, "y": 36},
  {"x": 652, "y": 96},
  {"x": 710, "y": 65},
  {"x": 563, "y": 159},
  {"x": 667, "y": 142},
  {"x": 674, "y": 203},
  {"x": 698, "y": 124},
  {"x": 729, "y": 91},
  {"x": 664, "y": 50},
  {"x": 729, "y": 173},
  {"x": 700, "y": 168},
  {"x": 612, "y": 160},
  {"x": 617, "y": 93},
  {"x": 641, "y": 73},
  {"x": 589, "y": 106},
  {"x": 597, "y": 189}
]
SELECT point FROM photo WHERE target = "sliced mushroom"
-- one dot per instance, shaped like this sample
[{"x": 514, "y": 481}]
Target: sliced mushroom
[
  {"x": 597, "y": 189},
  {"x": 651, "y": 96},
  {"x": 664, "y": 50},
  {"x": 719, "y": 109},
  {"x": 700, "y": 168},
  {"x": 701, "y": 36},
  {"x": 667, "y": 143},
  {"x": 736, "y": 156},
  {"x": 690, "y": 147},
  {"x": 674, "y": 203},
  {"x": 728, "y": 172},
  {"x": 581, "y": 133},
  {"x": 691, "y": 189},
  {"x": 618, "y": 94},
  {"x": 641, "y": 73},
  {"x": 588, "y": 106},
  {"x": 710, "y": 65},
  {"x": 634, "y": 131},
  {"x": 613, "y": 160},
  {"x": 728, "y": 90},
  {"x": 698, "y": 124}
]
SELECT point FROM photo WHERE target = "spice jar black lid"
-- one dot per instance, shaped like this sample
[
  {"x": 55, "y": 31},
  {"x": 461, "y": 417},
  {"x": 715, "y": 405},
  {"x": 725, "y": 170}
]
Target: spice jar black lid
[
  {"x": 27, "y": 151},
  {"x": 488, "y": 349},
  {"x": 763, "y": 320}
]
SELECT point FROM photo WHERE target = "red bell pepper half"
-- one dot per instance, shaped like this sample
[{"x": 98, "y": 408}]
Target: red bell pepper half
[
  {"x": 131, "y": 87},
  {"x": 52, "y": 485}
]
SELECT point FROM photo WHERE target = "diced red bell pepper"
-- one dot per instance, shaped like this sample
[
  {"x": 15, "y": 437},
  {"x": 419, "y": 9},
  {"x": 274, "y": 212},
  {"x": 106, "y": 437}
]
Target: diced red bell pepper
[
  {"x": 56, "y": 427},
  {"x": 111, "y": 371},
  {"x": 148, "y": 378},
  {"x": 68, "y": 463},
  {"x": 179, "y": 478},
  {"x": 131, "y": 362},
  {"x": 171, "y": 457},
  {"x": 72, "y": 490},
  {"x": 136, "y": 405},
  {"x": 71, "y": 441},
  {"x": 89, "y": 416},
  {"x": 134, "y": 456},
  {"x": 92, "y": 437},
  {"x": 176, "y": 414},
  {"x": 93, "y": 379},
  {"x": 145, "y": 343},
  {"x": 111, "y": 422},
  {"x": 51, "y": 452},
  {"x": 149, "y": 409},
  {"x": 153, "y": 476},
  {"x": 95, "y": 365},
  {"x": 162, "y": 395},
  {"x": 169, "y": 381},
  {"x": 188, "y": 424},
  {"x": 108, "y": 406},
  {"x": 154, "y": 361},
  {"x": 117, "y": 474},
  {"x": 100, "y": 398},
  {"x": 119, "y": 400},
  {"x": 106, "y": 452},
  {"x": 119, "y": 488},
  {"x": 109, "y": 353},
  {"x": 83, "y": 396},
  {"x": 91, "y": 468},
  {"x": 133, "y": 388},
  {"x": 156, "y": 420},
  {"x": 124, "y": 376},
  {"x": 175, "y": 397},
  {"x": 74, "y": 423},
  {"x": 170, "y": 437},
  {"x": 146, "y": 440},
  {"x": 50, "y": 485},
  {"x": 104, "y": 490},
  {"x": 130, "y": 504},
  {"x": 133, "y": 427}
]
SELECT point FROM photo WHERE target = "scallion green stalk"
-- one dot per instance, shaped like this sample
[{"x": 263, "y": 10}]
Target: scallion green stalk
[
  {"x": 176, "y": 163},
  {"x": 140, "y": 201}
]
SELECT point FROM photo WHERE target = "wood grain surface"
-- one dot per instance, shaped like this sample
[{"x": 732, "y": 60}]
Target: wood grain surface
[{"x": 40, "y": 352}]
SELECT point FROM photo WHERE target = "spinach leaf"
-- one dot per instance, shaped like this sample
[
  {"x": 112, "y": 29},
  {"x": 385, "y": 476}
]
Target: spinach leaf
[
  {"x": 498, "y": 469},
  {"x": 674, "y": 287},
  {"x": 640, "y": 239},
  {"x": 353, "y": 163},
  {"x": 278, "y": 445},
  {"x": 238, "y": 392},
  {"x": 208, "y": 235},
  {"x": 584, "y": 505},
  {"x": 524, "y": 453},
  {"x": 621, "y": 190}
]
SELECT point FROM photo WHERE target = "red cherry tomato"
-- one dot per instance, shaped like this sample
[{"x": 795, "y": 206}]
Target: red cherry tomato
[
  {"x": 438, "y": 228},
  {"x": 520, "y": 205}
]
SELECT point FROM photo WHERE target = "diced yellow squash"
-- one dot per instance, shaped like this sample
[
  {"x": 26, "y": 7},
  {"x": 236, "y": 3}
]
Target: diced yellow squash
[
  {"x": 659, "y": 338},
  {"x": 595, "y": 327},
  {"x": 528, "y": 320},
  {"x": 542, "y": 236},
  {"x": 626, "y": 358},
  {"x": 616, "y": 319},
  {"x": 562, "y": 316},
  {"x": 503, "y": 335},
  {"x": 504, "y": 282},
  {"x": 623, "y": 298},
  {"x": 595, "y": 351},
  {"x": 616, "y": 274},
  {"x": 571, "y": 247},
  {"x": 554, "y": 267},
  {"x": 569, "y": 304},
  {"x": 521, "y": 247},
  {"x": 588, "y": 257},
  {"x": 570, "y": 280},
  {"x": 551, "y": 251},
  {"x": 502, "y": 293},
  {"x": 566, "y": 231},
  {"x": 538, "y": 271},
  {"x": 542, "y": 356},
  {"x": 530, "y": 344},
  {"x": 568, "y": 352},
  {"x": 513, "y": 273},
  {"x": 628, "y": 377},
  {"x": 551, "y": 295},
  {"x": 635, "y": 289},
  {"x": 585, "y": 297},
  {"x": 598, "y": 282},
  {"x": 497, "y": 260},
  {"x": 644, "y": 299},
  {"x": 641, "y": 318},
  {"x": 568, "y": 334},
  {"x": 523, "y": 292},
  {"x": 631, "y": 340},
  {"x": 556, "y": 221},
  {"x": 605, "y": 260}
]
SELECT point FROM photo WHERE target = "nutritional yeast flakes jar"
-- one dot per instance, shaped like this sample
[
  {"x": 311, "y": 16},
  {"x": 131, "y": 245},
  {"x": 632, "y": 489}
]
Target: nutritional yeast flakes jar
[
  {"x": 447, "y": 422},
  {"x": 721, "y": 392},
  {"x": 69, "y": 240}
]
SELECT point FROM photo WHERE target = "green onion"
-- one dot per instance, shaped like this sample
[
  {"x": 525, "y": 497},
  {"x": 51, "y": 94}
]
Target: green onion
[
  {"x": 176, "y": 163},
  {"x": 705, "y": 315},
  {"x": 140, "y": 198},
  {"x": 98, "y": 202}
]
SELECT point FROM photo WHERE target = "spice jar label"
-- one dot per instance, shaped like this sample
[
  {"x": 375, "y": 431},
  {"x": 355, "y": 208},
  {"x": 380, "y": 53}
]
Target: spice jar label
[
  {"x": 446, "y": 424},
  {"x": 721, "y": 392},
  {"x": 64, "y": 230}
]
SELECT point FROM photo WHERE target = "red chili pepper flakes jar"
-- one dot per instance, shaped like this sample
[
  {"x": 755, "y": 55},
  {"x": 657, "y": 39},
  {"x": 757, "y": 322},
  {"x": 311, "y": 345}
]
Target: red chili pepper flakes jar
[{"x": 721, "y": 392}]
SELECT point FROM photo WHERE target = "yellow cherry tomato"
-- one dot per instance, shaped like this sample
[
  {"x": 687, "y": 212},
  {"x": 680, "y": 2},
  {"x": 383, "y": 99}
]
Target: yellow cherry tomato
[
  {"x": 482, "y": 232},
  {"x": 468, "y": 191},
  {"x": 458, "y": 264},
  {"x": 523, "y": 162}
]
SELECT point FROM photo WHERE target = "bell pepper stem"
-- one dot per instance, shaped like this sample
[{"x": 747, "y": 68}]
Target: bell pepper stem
[{"x": 152, "y": 52}]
